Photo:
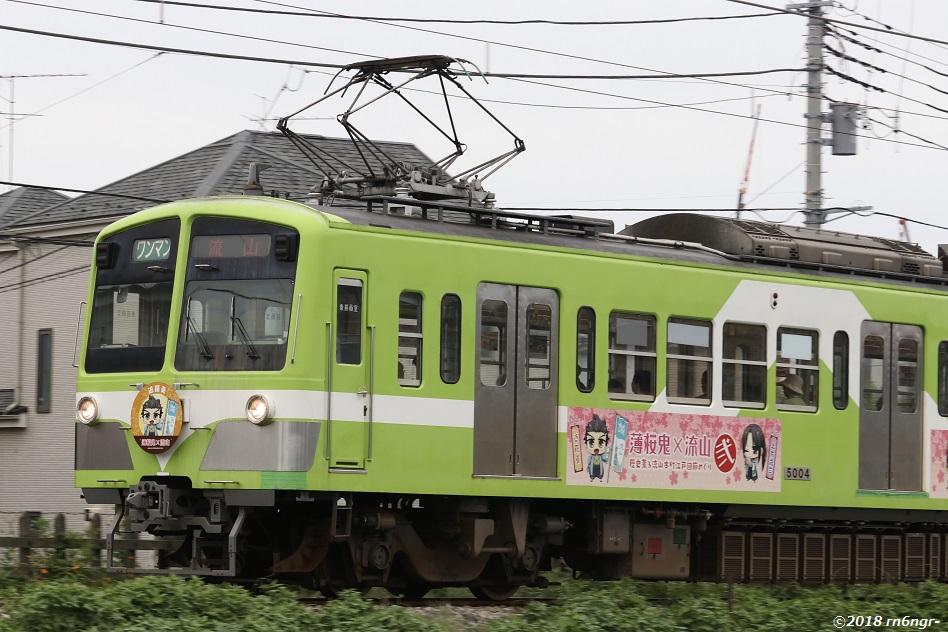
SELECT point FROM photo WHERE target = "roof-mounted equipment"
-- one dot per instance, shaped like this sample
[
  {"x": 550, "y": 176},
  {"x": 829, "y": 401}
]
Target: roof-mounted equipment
[{"x": 792, "y": 245}]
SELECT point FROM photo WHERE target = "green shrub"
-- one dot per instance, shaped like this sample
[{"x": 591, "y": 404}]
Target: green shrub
[{"x": 151, "y": 603}]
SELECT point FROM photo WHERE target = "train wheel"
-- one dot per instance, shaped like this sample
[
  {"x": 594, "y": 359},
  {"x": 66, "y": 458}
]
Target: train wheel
[{"x": 494, "y": 593}]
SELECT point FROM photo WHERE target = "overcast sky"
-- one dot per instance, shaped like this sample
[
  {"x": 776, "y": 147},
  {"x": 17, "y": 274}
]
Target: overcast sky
[{"x": 617, "y": 143}]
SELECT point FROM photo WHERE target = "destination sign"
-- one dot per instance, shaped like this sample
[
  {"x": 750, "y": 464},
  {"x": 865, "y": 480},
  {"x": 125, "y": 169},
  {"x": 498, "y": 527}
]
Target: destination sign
[
  {"x": 230, "y": 246},
  {"x": 151, "y": 249}
]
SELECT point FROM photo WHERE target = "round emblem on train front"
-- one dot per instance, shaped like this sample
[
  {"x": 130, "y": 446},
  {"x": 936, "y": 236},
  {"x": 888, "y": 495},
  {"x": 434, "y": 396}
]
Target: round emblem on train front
[{"x": 156, "y": 417}]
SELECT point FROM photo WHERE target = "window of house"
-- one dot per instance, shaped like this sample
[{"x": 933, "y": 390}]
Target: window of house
[
  {"x": 840, "y": 370},
  {"x": 798, "y": 369},
  {"x": 44, "y": 370},
  {"x": 744, "y": 365},
  {"x": 450, "y": 339},
  {"x": 632, "y": 356},
  {"x": 409, "y": 339},
  {"x": 689, "y": 361},
  {"x": 586, "y": 349}
]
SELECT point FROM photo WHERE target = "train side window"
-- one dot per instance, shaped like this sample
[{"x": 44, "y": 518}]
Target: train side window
[
  {"x": 586, "y": 349},
  {"x": 798, "y": 370},
  {"x": 409, "y": 339},
  {"x": 632, "y": 356},
  {"x": 840, "y": 370},
  {"x": 943, "y": 378},
  {"x": 450, "y": 339},
  {"x": 908, "y": 369},
  {"x": 539, "y": 346},
  {"x": 493, "y": 343},
  {"x": 744, "y": 365},
  {"x": 689, "y": 361},
  {"x": 873, "y": 372},
  {"x": 349, "y": 320}
]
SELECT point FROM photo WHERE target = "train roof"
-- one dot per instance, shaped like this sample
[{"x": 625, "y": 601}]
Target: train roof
[{"x": 698, "y": 239}]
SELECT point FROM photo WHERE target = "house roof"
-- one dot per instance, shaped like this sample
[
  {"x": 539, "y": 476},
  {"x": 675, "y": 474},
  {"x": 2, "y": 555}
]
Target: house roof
[
  {"x": 26, "y": 201},
  {"x": 220, "y": 168}
]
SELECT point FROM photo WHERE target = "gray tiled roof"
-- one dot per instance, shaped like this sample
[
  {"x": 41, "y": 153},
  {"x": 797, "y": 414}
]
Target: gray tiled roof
[
  {"x": 26, "y": 201},
  {"x": 220, "y": 168}
]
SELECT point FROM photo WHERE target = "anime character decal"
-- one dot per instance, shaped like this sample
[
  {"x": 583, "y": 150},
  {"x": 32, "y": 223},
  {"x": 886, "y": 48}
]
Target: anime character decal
[
  {"x": 156, "y": 417},
  {"x": 753, "y": 442},
  {"x": 655, "y": 450},
  {"x": 596, "y": 441}
]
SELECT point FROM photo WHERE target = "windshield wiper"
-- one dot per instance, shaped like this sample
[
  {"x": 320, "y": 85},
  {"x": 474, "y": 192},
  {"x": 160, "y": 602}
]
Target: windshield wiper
[
  {"x": 201, "y": 340},
  {"x": 238, "y": 326}
]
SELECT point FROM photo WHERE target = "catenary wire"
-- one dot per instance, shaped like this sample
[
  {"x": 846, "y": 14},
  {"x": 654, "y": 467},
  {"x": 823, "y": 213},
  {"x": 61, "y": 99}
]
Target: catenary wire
[
  {"x": 835, "y": 21},
  {"x": 456, "y": 21}
]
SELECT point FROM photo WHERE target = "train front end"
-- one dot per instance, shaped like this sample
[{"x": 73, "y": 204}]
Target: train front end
[{"x": 189, "y": 418}]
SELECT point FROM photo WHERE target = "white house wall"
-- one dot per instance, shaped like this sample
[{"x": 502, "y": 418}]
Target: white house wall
[{"x": 36, "y": 468}]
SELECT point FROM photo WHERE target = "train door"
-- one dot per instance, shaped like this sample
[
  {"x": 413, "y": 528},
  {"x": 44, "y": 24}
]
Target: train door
[
  {"x": 515, "y": 381},
  {"x": 890, "y": 417},
  {"x": 349, "y": 373}
]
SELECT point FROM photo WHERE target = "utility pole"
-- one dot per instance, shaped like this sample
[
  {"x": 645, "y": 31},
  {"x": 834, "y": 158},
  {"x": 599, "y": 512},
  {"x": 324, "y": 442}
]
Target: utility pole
[
  {"x": 843, "y": 118},
  {"x": 814, "y": 213}
]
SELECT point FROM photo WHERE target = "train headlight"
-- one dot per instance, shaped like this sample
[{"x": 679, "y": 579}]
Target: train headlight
[
  {"x": 260, "y": 409},
  {"x": 87, "y": 411}
]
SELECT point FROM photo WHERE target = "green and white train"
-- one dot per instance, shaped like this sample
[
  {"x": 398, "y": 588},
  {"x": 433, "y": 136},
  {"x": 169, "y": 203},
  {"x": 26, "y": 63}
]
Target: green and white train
[{"x": 417, "y": 394}]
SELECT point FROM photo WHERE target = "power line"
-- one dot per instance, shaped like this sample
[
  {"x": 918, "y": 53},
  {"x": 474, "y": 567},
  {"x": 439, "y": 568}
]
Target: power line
[
  {"x": 167, "y": 49},
  {"x": 658, "y": 73},
  {"x": 187, "y": 28},
  {"x": 704, "y": 110},
  {"x": 901, "y": 131},
  {"x": 506, "y": 45},
  {"x": 835, "y": 21},
  {"x": 873, "y": 49},
  {"x": 36, "y": 258},
  {"x": 846, "y": 77},
  {"x": 49, "y": 277},
  {"x": 85, "y": 192},
  {"x": 504, "y": 75},
  {"x": 45, "y": 240},
  {"x": 869, "y": 66},
  {"x": 456, "y": 21}
]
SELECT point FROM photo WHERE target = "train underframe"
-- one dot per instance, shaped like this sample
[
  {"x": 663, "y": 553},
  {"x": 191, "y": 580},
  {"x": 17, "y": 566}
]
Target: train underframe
[{"x": 412, "y": 544}]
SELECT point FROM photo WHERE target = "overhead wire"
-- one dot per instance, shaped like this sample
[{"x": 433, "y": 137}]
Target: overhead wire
[
  {"x": 522, "y": 78},
  {"x": 457, "y": 21},
  {"x": 658, "y": 74},
  {"x": 55, "y": 276},
  {"x": 183, "y": 27},
  {"x": 823, "y": 18}
]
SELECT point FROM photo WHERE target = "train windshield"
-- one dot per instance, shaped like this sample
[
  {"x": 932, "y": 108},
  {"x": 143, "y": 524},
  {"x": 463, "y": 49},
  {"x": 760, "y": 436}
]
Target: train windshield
[
  {"x": 128, "y": 327},
  {"x": 234, "y": 325},
  {"x": 131, "y": 304}
]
